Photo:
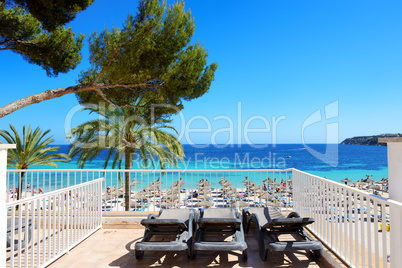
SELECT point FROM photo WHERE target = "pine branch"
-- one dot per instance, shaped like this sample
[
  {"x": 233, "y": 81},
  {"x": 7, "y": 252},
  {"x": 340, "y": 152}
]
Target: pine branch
[{"x": 59, "y": 92}]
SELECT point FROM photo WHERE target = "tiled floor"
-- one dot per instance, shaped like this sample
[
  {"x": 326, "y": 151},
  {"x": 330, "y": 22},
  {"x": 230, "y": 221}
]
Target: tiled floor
[{"x": 115, "y": 248}]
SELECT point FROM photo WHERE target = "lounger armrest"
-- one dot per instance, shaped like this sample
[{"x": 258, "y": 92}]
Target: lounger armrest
[
  {"x": 294, "y": 215},
  {"x": 287, "y": 222},
  {"x": 238, "y": 215},
  {"x": 151, "y": 216},
  {"x": 245, "y": 211},
  {"x": 148, "y": 223}
]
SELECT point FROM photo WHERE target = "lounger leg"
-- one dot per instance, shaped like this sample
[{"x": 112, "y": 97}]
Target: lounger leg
[
  {"x": 139, "y": 254},
  {"x": 245, "y": 222},
  {"x": 261, "y": 243},
  {"x": 190, "y": 248},
  {"x": 245, "y": 255},
  {"x": 315, "y": 254}
]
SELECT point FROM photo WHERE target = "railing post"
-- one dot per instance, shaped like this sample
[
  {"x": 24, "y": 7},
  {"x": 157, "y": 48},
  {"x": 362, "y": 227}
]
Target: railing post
[
  {"x": 394, "y": 148},
  {"x": 3, "y": 190}
]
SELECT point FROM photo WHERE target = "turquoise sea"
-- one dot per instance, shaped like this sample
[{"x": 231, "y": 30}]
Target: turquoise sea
[{"x": 336, "y": 162}]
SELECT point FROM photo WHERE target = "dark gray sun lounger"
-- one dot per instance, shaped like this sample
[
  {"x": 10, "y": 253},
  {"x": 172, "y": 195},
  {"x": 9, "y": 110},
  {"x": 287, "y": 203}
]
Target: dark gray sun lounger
[
  {"x": 271, "y": 223},
  {"x": 26, "y": 226},
  {"x": 213, "y": 225},
  {"x": 174, "y": 224}
]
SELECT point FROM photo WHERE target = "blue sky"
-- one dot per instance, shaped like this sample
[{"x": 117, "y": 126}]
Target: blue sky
[{"x": 278, "y": 60}]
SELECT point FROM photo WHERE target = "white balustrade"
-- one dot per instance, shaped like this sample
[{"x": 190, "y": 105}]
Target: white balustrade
[
  {"x": 353, "y": 223},
  {"x": 42, "y": 228},
  {"x": 147, "y": 187},
  {"x": 347, "y": 220}
]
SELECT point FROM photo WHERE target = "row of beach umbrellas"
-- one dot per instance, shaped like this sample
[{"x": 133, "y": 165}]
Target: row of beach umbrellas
[{"x": 367, "y": 183}]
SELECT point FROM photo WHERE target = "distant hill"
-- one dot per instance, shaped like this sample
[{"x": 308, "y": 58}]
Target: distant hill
[{"x": 369, "y": 140}]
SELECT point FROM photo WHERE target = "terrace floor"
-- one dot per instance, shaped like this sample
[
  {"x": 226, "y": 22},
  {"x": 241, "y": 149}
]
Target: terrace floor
[{"x": 115, "y": 248}]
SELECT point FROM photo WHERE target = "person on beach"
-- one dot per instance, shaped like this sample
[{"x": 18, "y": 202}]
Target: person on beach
[
  {"x": 41, "y": 191},
  {"x": 108, "y": 190},
  {"x": 195, "y": 194},
  {"x": 28, "y": 186}
]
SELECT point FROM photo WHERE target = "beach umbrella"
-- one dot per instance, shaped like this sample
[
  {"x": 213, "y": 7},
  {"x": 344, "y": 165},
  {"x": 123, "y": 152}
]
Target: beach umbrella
[
  {"x": 246, "y": 180},
  {"x": 268, "y": 180},
  {"x": 152, "y": 187},
  {"x": 180, "y": 182},
  {"x": 231, "y": 193},
  {"x": 266, "y": 196},
  {"x": 275, "y": 183},
  {"x": 288, "y": 191},
  {"x": 158, "y": 182},
  {"x": 118, "y": 192},
  {"x": 203, "y": 190},
  {"x": 259, "y": 190},
  {"x": 251, "y": 188},
  {"x": 206, "y": 196},
  {"x": 223, "y": 181},
  {"x": 250, "y": 185},
  {"x": 138, "y": 195},
  {"x": 205, "y": 203},
  {"x": 235, "y": 195},
  {"x": 202, "y": 180},
  {"x": 358, "y": 184},
  {"x": 175, "y": 187},
  {"x": 241, "y": 203},
  {"x": 172, "y": 197},
  {"x": 346, "y": 180},
  {"x": 225, "y": 184},
  {"x": 361, "y": 184},
  {"x": 231, "y": 190},
  {"x": 204, "y": 183},
  {"x": 374, "y": 187},
  {"x": 281, "y": 188},
  {"x": 173, "y": 191},
  {"x": 369, "y": 180}
]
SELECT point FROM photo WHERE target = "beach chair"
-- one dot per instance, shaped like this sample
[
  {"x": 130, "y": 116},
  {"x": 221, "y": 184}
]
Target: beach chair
[
  {"x": 271, "y": 223},
  {"x": 26, "y": 227},
  {"x": 214, "y": 226},
  {"x": 171, "y": 230}
]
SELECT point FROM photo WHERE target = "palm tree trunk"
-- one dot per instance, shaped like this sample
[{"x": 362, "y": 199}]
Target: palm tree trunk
[
  {"x": 20, "y": 184},
  {"x": 127, "y": 166}
]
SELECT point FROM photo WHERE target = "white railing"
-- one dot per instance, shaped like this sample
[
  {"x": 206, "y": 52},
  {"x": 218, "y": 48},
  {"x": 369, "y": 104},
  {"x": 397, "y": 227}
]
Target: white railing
[
  {"x": 352, "y": 222},
  {"x": 42, "y": 228},
  {"x": 151, "y": 190},
  {"x": 360, "y": 227}
]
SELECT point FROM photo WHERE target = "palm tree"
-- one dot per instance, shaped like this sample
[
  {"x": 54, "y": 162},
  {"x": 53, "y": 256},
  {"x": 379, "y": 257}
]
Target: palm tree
[
  {"x": 123, "y": 132},
  {"x": 32, "y": 150}
]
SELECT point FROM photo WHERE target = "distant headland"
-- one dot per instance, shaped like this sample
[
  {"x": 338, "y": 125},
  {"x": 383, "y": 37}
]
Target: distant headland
[{"x": 369, "y": 140}]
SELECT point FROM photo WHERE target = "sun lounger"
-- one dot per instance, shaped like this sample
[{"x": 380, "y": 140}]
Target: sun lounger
[
  {"x": 174, "y": 224},
  {"x": 216, "y": 224},
  {"x": 25, "y": 227},
  {"x": 271, "y": 223}
]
